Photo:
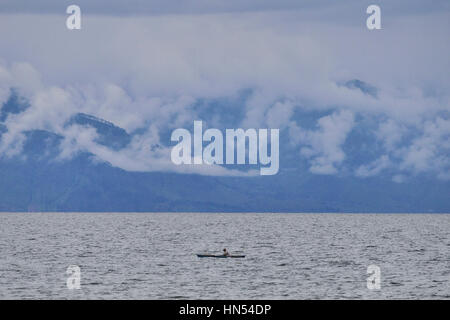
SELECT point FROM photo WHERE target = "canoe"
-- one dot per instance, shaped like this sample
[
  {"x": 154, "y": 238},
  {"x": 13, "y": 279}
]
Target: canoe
[{"x": 219, "y": 256}]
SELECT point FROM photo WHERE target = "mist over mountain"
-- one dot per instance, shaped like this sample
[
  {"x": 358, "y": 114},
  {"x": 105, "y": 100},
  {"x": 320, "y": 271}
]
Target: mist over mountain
[
  {"x": 109, "y": 135},
  {"x": 39, "y": 179}
]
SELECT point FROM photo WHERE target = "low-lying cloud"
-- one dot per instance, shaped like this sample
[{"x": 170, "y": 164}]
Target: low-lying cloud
[{"x": 146, "y": 75}]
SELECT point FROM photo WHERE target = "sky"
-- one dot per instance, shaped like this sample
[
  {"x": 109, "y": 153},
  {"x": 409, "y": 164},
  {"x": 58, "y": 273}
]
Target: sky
[
  {"x": 146, "y": 65},
  {"x": 156, "y": 7}
]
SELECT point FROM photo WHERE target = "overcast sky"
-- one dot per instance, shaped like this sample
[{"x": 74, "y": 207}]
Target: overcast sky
[
  {"x": 120, "y": 7},
  {"x": 144, "y": 64}
]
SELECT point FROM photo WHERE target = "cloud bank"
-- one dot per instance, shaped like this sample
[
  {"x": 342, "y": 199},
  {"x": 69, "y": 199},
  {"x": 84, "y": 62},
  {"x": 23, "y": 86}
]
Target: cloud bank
[{"x": 148, "y": 75}]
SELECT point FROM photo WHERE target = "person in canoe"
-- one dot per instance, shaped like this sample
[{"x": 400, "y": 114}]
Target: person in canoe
[{"x": 226, "y": 253}]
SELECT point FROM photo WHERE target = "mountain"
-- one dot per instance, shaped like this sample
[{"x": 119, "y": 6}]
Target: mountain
[
  {"x": 37, "y": 180},
  {"x": 109, "y": 134},
  {"x": 14, "y": 105},
  {"x": 362, "y": 86}
]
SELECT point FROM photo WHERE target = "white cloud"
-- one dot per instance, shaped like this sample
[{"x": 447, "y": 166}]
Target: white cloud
[
  {"x": 374, "y": 168},
  {"x": 430, "y": 151},
  {"x": 390, "y": 133},
  {"x": 279, "y": 115},
  {"x": 138, "y": 156},
  {"x": 325, "y": 144},
  {"x": 147, "y": 72}
]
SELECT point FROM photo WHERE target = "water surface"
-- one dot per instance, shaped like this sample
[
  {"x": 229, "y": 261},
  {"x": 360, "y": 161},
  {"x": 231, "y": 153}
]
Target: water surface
[{"x": 289, "y": 256}]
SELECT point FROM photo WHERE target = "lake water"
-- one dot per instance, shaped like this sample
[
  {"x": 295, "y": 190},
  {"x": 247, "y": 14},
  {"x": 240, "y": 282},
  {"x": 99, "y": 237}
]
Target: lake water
[{"x": 289, "y": 256}]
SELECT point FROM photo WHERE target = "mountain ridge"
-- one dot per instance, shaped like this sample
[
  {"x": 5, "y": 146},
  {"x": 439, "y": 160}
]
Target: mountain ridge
[{"x": 38, "y": 180}]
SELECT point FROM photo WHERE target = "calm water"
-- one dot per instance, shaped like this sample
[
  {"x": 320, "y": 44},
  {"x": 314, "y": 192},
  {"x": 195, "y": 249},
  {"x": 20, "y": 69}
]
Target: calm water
[{"x": 289, "y": 256}]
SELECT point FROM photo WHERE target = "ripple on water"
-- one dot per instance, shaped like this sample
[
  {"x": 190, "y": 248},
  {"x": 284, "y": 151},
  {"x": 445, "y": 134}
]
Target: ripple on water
[{"x": 289, "y": 256}]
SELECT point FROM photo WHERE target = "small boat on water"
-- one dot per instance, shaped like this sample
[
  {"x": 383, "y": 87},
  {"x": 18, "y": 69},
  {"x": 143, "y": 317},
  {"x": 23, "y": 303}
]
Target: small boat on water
[{"x": 219, "y": 256}]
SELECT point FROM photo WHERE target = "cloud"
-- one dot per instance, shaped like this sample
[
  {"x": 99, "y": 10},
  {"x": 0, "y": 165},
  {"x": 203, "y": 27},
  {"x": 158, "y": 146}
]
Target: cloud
[
  {"x": 136, "y": 157},
  {"x": 325, "y": 144},
  {"x": 431, "y": 150},
  {"x": 147, "y": 73},
  {"x": 390, "y": 133},
  {"x": 216, "y": 55},
  {"x": 22, "y": 76},
  {"x": 374, "y": 168},
  {"x": 279, "y": 115},
  {"x": 157, "y": 7}
]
